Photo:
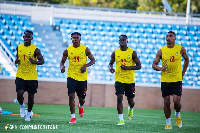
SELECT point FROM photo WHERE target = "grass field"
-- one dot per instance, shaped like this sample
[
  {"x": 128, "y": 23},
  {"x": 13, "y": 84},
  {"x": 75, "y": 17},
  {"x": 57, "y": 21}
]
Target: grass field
[{"x": 95, "y": 120}]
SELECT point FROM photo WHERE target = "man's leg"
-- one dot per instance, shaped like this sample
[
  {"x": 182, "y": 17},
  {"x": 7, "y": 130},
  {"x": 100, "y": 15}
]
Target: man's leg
[
  {"x": 177, "y": 103},
  {"x": 30, "y": 106},
  {"x": 81, "y": 101},
  {"x": 177, "y": 107},
  {"x": 120, "y": 109},
  {"x": 30, "y": 101},
  {"x": 131, "y": 103},
  {"x": 120, "y": 104},
  {"x": 72, "y": 103},
  {"x": 80, "y": 106},
  {"x": 81, "y": 92},
  {"x": 72, "y": 107},
  {"x": 20, "y": 98},
  {"x": 167, "y": 111}
]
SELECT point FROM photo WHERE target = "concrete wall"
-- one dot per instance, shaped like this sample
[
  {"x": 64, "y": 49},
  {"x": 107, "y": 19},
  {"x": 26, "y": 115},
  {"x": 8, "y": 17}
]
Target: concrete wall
[{"x": 100, "y": 95}]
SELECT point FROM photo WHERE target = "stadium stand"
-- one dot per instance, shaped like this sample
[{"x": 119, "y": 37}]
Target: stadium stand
[
  {"x": 146, "y": 39},
  {"x": 102, "y": 38}
]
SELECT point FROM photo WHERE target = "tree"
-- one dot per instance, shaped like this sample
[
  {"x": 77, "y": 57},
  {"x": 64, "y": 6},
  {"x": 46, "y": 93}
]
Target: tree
[
  {"x": 177, "y": 5},
  {"x": 125, "y": 4}
]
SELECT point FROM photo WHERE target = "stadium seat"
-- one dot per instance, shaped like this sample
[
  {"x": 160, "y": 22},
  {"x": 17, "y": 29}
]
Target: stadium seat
[{"x": 102, "y": 38}]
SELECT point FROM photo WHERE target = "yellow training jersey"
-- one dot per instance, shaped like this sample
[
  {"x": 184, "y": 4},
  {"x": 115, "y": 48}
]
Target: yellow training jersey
[
  {"x": 26, "y": 70},
  {"x": 124, "y": 58},
  {"x": 77, "y": 59},
  {"x": 171, "y": 57}
]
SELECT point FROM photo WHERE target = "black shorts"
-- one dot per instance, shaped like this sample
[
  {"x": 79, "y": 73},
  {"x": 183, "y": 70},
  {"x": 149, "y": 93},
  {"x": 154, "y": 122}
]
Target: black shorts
[
  {"x": 129, "y": 89},
  {"x": 80, "y": 87},
  {"x": 27, "y": 85},
  {"x": 171, "y": 88}
]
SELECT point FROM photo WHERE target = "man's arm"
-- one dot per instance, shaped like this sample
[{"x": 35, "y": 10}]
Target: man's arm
[
  {"x": 92, "y": 60},
  {"x": 137, "y": 62},
  {"x": 112, "y": 60},
  {"x": 186, "y": 62},
  {"x": 64, "y": 58},
  {"x": 39, "y": 56},
  {"x": 17, "y": 61},
  {"x": 157, "y": 60}
]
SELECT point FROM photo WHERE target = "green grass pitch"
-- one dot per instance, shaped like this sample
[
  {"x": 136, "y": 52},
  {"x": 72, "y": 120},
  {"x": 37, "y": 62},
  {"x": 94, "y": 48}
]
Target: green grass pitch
[{"x": 95, "y": 120}]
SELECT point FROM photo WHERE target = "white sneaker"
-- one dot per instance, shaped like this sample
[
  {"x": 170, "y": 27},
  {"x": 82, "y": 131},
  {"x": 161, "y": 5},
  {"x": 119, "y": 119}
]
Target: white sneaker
[
  {"x": 22, "y": 112},
  {"x": 28, "y": 117}
]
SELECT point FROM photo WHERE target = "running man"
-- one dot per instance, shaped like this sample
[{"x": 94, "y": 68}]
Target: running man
[
  {"x": 28, "y": 57},
  {"x": 126, "y": 64},
  {"x": 77, "y": 72},
  {"x": 171, "y": 76}
]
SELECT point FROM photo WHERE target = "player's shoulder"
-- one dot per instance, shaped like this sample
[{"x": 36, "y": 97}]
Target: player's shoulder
[
  {"x": 20, "y": 45},
  {"x": 163, "y": 48},
  {"x": 117, "y": 50},
  {"x": 83, "y": 46},
  {"x": 130, "y": 49},
  {"x": 33, "y": 45},
  {"x": 178, "y": 45},
  {"x": 71, "y": 46}
]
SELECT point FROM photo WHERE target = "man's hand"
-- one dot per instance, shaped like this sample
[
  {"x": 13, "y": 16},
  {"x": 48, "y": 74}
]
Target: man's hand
[
  {"x": 31, "y": 60},
  {"x": 62, "y": 69},
  {"x": 83, "y": 69},
  {"x": 163, "y": 68},
  {"x": 112, "y": 70},
  {"x": 124, "y": 67},
  {"x": 17, "y": 61}
]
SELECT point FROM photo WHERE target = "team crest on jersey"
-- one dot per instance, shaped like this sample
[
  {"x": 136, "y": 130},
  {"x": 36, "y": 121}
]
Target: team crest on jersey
[
  {"x": 128, "y": 57},
  {"x": 81, "y": 53},
  {"x": 29, "y": 53},
  {"x": 176, "y": 53}
]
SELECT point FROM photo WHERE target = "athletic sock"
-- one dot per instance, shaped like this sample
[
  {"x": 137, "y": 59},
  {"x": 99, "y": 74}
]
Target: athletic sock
[
  {"x": 168, "y": 121},
  {"x": 177, "y": 114},
  {"x": 73, "y": 115},
  {"x": 22, "y": 106},
  {"x": 121, "y": 116}
]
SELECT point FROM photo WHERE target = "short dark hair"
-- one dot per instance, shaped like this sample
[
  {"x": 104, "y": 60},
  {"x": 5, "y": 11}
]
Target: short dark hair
[
  {"x": 28, "y": 31},
  {"x": 171, "y": 32},
  {"x": 76, "y": 33},
  {"x": 123, "y": 36}
]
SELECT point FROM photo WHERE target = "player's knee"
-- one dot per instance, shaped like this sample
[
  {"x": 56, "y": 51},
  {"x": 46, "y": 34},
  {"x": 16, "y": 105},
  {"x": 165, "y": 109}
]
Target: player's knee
[
  {"x": 119, "y": 98},
  {"x": 20, "y": 93},
  {"x": 81, "y": 100},
  {"x": 31, "y": 96},
  {"x": 30, "y": 99},
  {"x": 177, "y": 103},
  {"x": 71, "y": 96},
  {"x": 167, "y": 102}
]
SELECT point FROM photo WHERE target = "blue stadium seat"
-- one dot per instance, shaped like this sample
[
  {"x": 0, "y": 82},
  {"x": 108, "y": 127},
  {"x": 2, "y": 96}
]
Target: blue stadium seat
[
  {"x": 167, "y": 27},
  {"x": 183, "y": 27},
  {"x": 159, "y": 26}
]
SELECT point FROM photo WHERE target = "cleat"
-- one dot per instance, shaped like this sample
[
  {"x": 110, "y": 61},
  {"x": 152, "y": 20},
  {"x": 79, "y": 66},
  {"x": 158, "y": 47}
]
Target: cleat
[
  {"x": 81, "y": 110},
  {"x": 22, "y": 112},
  {"x": 121, "y": 122},
  {"x": 168, "y": 127},
  {"x": 28, "y": 117},
  {"x": 73, "y": 120},
  {"x": 130, "y": 114},
  {"x": 178, "y": 121}
]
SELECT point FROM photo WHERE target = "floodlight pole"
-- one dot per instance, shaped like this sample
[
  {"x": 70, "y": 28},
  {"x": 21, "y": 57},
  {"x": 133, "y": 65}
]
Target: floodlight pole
[{"x": 188, "y": 12}]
